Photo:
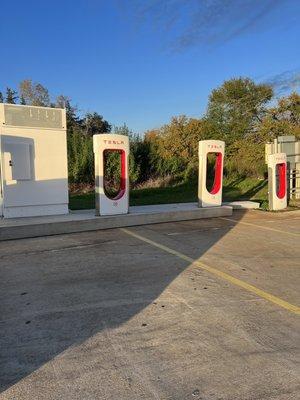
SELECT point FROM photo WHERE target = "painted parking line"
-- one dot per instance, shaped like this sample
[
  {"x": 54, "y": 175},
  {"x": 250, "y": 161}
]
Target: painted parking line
[
  {"x": 223, "y": 275},
  {"x": 260, "y": 226}
]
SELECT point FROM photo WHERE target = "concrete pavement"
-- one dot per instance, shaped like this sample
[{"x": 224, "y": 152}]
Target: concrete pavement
[
  {"x": 105, "y": 315},
  {"x": 85, "y": 220}
]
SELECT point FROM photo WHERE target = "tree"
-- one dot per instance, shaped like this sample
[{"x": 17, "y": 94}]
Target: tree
[
  {"x": 26, "y": 91},
  {"x": 94, "y": 124},
  {"x": 288, "y": 109},
  {"x": 34, "y": 94},
  {"x": 178, "y": 144},
  {"x": 73, "y": 121},
  {"x": 1, "y": 97},
  {"x": 42, "y": 97},
  {"x": 63, "y": 102},
  {"x": 152, "y": 142},
  {"x": 236, "y": 106},
  {"x": 80, "y": 158},
  {"x": 11, "y": 96},
  {"x": 281, "y": 120},
  {"x": 22, "y": 100},
  {"x": 123, "y": 130},
  {"x": 138, "y": 157}
]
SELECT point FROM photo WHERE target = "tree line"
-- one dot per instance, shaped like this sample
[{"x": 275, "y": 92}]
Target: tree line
[{"x": 241, "y": 112}]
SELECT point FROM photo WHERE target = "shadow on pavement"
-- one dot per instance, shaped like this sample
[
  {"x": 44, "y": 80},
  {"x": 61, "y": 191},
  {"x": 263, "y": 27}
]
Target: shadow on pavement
[{"x": 56, "y": 292}]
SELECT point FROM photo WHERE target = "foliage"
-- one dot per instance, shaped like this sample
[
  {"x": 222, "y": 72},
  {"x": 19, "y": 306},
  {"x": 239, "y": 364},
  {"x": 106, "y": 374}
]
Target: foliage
[
  {"x": 93, "y": 124},
  {"x": 34, "y": 94},
  {"x": 180, "y": 143},
  {"x": 283, "y": 119},
  {"x": 245, "y": 157},
  {"x": 138, "y": 158},
  {"x": 80, "y": 157},
  {"x": 11, "y": 96},
  {"x": 173, "y": 149},
  {"x": 239, "y": 112},
  {"x": 235, "y": 107}
]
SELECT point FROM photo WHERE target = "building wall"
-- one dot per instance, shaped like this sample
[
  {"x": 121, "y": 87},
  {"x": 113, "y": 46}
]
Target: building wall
[{"x": 34, "y": 171}]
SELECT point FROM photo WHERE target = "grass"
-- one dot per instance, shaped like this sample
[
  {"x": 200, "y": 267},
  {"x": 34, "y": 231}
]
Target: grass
[{"x": 234, "y": 189}]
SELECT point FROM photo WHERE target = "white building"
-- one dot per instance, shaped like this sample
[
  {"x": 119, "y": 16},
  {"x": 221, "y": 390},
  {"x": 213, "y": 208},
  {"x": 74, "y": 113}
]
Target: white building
[{"x": 33, "y": 161}]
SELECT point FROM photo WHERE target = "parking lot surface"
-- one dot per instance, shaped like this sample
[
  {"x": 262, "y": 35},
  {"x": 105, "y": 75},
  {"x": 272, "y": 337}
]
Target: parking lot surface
[{"x": 205, "y": 309}]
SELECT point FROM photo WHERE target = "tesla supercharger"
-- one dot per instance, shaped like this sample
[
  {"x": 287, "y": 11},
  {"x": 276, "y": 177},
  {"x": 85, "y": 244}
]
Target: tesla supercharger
[
  {"x": 210, "y": 197},
  {"x": 277, "y": 181},
  {"x": 103, "y": 145}
]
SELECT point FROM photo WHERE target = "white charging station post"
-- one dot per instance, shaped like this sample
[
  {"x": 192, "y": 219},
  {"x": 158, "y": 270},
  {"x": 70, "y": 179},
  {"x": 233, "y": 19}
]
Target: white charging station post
[
  {"x": 212, "y": 197},
  {"x": 277, "y": 181},
  {"x": 103, "y": 144}
]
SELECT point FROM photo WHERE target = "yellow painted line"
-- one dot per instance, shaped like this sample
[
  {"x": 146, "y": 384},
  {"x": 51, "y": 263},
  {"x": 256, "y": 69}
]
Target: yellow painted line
[
  {"x": 260, "y": 226},
  {"x": 250, "y": 288}
]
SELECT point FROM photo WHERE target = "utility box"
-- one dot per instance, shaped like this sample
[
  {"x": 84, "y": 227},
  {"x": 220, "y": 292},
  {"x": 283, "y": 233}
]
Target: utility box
[{"x": 33, "y": 161}]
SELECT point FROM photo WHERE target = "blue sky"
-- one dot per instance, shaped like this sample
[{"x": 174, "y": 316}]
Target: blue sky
[{"x": 140, "y": 62}]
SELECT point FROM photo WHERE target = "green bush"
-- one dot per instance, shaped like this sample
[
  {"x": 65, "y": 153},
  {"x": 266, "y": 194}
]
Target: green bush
[
  {"x": 245, "y": 158},
  {"x": 80, "y": 158}
]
